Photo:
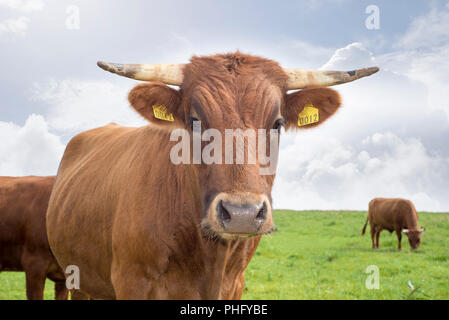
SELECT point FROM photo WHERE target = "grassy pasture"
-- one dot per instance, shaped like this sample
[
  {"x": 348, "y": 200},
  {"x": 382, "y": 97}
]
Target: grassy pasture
[{"x": 320, "y": 255}]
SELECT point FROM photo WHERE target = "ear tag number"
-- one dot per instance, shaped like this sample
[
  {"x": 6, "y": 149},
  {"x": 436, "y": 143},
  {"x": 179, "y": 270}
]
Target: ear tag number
[
  {"x": 308, "y": 116},
  {"x": 160, "y": 112}
]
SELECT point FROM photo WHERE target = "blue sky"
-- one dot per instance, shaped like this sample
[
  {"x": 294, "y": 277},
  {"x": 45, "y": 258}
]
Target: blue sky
[{"x": 389, "y": 141}]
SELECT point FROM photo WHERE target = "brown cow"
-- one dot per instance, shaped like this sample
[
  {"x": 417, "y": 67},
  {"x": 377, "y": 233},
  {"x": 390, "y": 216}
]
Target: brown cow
[
  {"x": 393, "y": 215},
  {"x": 139, "y": 226},
  {"x": 23, "y": 236}
]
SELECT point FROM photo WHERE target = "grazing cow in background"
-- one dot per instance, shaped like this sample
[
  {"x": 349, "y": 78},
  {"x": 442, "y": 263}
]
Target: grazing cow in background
[
  {"x": 393, "y": 215},
  {"x": 23, "y": 236},
  {"x": 139, "y": 226}
]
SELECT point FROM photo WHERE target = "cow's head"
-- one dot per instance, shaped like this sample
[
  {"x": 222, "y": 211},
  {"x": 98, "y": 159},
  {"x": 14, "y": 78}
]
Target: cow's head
[
  {"x": 239, "y": 94},
  {"x": 414, "y": 237}
]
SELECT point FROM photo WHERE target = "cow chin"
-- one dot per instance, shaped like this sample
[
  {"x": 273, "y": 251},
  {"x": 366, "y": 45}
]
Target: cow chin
[
  {"x": 238, "y": 216},
  {"x": 210, "y": 233}
]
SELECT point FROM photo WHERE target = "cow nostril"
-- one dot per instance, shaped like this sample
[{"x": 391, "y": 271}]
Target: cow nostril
[
  {"x": 262, "y": 215},
  {"x": 223, "y": 214}
]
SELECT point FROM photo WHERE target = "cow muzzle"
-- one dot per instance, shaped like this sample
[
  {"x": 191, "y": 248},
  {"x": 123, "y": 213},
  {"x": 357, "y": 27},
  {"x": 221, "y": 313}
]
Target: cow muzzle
[{"x": 238, "y": 215}]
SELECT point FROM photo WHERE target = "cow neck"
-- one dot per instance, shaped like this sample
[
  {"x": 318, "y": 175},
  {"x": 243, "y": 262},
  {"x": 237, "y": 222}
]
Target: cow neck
[
  {"x": 412, "y": 220},
  {"x": 221, "y": 262}
]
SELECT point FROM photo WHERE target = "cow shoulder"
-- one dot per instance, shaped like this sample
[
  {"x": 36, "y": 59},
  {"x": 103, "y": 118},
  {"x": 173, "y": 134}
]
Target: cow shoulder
[{"x": 91, "y": 141}]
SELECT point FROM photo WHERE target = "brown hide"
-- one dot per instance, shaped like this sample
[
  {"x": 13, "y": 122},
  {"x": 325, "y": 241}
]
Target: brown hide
[
  {"x": 23, "y": 236},
  {"x": 393, "y": 215},
  {"x": 132, "y": 221},
  {"x": 138, "y": 228}
]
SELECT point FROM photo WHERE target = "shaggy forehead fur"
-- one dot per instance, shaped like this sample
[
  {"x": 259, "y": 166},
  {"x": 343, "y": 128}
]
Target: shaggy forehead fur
[
  {"x": 228, "y": 66},
  {"x": 234, "y": 85}
]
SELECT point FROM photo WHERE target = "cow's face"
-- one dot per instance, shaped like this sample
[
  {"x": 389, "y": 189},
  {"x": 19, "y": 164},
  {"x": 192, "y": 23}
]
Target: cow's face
[
  {"x": 414, "y": 237},
  {"x": 241, "y": 95}
]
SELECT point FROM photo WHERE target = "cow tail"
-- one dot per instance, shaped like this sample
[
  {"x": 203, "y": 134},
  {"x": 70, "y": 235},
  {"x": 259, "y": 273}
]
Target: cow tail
[{"x": 364, "y": 228}]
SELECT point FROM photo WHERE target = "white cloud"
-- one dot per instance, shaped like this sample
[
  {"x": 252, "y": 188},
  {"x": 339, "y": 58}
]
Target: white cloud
[
  {"x": 30, "y": 149},
  {"x": 73, "y": 106},
  {"x": 76, "y": 105},
  {"x": 16, "y": 26},
  {"x": 23, "y": 5},
  {"x": 352, "y": 56},
  {"x": 326, "y": 173},
  {"x": 386, "y": 141},
  {"x": 427, "y": 31},
  {"x": 422, "y": 55},
  {"x": 19, "y": 25}
]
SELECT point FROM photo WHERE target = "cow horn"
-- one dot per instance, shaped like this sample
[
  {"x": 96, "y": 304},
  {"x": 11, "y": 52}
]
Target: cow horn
[
  {"x": 166, "y": 73},
  {"x": 299, "y": 78}
]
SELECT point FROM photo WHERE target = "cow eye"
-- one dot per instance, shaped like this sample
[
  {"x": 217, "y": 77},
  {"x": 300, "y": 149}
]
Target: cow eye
[{"x": 279, "y": 123}]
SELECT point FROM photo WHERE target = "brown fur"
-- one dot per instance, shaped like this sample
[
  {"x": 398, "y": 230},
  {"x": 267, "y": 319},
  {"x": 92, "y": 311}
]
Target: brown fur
[
  {"x": 324, "y": 98},
  {"x": 393, "y": 215},
  {"x": 131, "y": 220},
  {"x": 23, "y": 238}
]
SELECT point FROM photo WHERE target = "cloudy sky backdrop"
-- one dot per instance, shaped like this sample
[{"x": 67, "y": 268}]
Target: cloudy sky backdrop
[{"x": 390, "y": 139}]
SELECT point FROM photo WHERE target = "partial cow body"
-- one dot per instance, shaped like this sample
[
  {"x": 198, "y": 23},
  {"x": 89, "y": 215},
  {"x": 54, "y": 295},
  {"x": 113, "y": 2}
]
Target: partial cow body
[
  {"x": 23, "y": 237},
  {"x": 397, "y": 215},
  {"x": 147, "y": 243}
]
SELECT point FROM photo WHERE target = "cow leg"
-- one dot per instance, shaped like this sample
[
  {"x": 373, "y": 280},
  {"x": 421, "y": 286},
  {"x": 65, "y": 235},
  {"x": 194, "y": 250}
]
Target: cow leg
[
  {"x": 61, "y": 292},
  {"x": 399, "y": 234},
  {"x": 35, "y": 283},
  {"x": 373, "y": 234},
  {"x": 36, "y": 265},
  {"x": 377, "y": 238}
]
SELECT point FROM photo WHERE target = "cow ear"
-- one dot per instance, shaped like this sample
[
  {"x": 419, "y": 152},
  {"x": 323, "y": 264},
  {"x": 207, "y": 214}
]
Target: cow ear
[
  {"x": 157, "y": 103},
  {"x": 422, "y": 229},
  {"x": 310, "y": 107}
]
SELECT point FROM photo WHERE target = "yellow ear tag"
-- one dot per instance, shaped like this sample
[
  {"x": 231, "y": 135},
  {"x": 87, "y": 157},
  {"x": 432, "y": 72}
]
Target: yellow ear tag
[
  {"x": 160, "y": 112},
  {"x": 308, "y": 116}
]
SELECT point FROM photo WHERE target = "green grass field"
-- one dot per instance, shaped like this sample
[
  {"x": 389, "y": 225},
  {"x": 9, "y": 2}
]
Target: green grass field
[{"x": 320, "y": 255}]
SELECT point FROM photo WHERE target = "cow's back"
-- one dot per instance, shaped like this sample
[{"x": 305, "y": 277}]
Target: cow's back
[
  {"x": 23, "y": 204},
  {"x": 392, "y": 214}
]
